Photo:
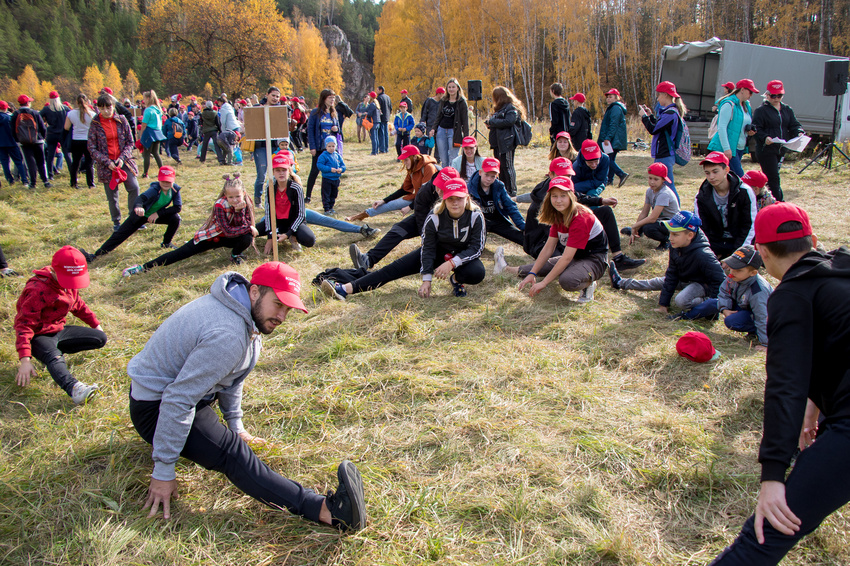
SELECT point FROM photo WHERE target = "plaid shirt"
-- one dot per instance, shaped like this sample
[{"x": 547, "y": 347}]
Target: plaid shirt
[{"x": 228, "y": 222}]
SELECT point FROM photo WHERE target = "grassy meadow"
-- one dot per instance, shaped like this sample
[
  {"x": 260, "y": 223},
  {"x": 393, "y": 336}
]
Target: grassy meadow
[{"x": 494, "y": 429}]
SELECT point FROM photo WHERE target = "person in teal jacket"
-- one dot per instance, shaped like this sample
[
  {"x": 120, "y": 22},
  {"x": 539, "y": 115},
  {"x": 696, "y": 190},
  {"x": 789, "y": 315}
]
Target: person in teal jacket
[
  {"x": 403, "y": 124},
  {"x": 613, "y": 130},
  {"x": 734, "y": 124}
]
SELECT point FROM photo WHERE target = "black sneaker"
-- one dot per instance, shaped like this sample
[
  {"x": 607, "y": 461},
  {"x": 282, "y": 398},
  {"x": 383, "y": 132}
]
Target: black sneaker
[
  {"x": 623, "y": 179},
  {"x": 307, "y": 200},
  {"x": 89, "y": 257},
  {"x": 458, "y": 288},
  {"x": 237, "y": 259},
  {"x": 614, "y": 274},
  {"x": 48, "y": 184},
  {"x": 626, "y": 230},
  {"x": 168, "y": 246},
  {"x": 663, "y": 246},
  {"x": 358, "y": 258},
  {"x": 624, "y": 262},
  {"x": 347, "y": 505},
  {"x": 368, "y": 231}
]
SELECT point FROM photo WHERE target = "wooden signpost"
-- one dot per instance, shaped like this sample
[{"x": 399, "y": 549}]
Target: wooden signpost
[{"x": 265, "y": 123}]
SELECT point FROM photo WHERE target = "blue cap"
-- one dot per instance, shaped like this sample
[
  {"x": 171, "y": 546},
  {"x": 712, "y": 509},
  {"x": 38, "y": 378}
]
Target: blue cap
[
  {"x": 330, "y": 139},
  {"x": 683, "y": 220}
]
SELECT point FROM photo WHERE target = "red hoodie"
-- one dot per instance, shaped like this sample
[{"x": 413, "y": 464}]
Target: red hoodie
[{"x": 42, "y": 308}]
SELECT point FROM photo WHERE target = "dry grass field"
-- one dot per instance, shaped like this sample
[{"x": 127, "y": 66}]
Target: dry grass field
[{"x": 494, "y": 429}]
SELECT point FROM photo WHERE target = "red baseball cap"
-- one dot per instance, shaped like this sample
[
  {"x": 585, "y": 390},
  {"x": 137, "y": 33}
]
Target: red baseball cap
[
  {"x": 590, "y": 150},
  {"x": 107, "y": 90},
  {"x": 373, "y": 94},
  {"x": 167, "y": 174},
  {"x": 716, "y": 157},
  {"x": 408, "y": 151},
  {"x": 747, "y": 84},
  {"x": 284, "y": 281},
  {"x": 490, "y": 164},
  {"x": 696, "y": 347},
  {"x": 580, "y": 97},
  {"x": 445, "y": 175},
  {"x": 402, "y": 103},
  {"x": 53, "y": 94},
  {"x": 659, "y": 170},
  {"x": 775, "y": 87},
  {"x": 4, "y": 105},
  {"x": 469, "y": 141},
  {"x": 455, "y": 188},
  {"x": 668, "y": 88},
  {"x": 730, "y": 85},
  {"x": 755, "y": 179},
  {"x": 771, "y": 217},
  {"x": 24, "y": 99},
  {"x": 118, "y": 176},
  {"x": 563, "y": 183},
  {"x": 404, "y": 91},
  {"x": 613, "y": 91},
  {"x": 281, "y": 161},
  {"x": 71, "y": 268},
  {"x": 441, "y": 90},
  {"x": 561, "y": 167},
  {"x": 560, "y": 135}
]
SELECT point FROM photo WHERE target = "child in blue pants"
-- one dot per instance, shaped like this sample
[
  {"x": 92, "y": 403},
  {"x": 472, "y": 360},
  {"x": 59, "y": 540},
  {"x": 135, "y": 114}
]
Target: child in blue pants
[
  {"x": 743, "y": 295},
  {"x": 332, "y": 166}
]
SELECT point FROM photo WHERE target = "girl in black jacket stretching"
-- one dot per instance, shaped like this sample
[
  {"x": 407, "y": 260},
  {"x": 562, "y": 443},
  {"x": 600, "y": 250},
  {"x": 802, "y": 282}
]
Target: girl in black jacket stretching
[{"x": 452, "y": 241}]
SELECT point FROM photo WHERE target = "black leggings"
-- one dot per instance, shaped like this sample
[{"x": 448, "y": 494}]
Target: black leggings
[
  {"x": 146, "y": 156},
  {"x": 506, "y": 171},
  {"x": 606, "y": 217},
  {"x": 769, "y": 162},
  {"x": 49, "y": 350},
  {"x": 238, "y": 244},
  {"x": 303, "y": 234},
  {"x": 401, "y": 231},
  {"x": 215, "y": 447},
  {"x": 132, "y": 224},
  {"x": 34, "y": 158},
  {"x": 498, "y": 224},
  {"x": 80, "y": 149},
  {"x": 314, "y": 173},
  {"x": 655, "y": 231},
  {"x": 470, "y": 273}
]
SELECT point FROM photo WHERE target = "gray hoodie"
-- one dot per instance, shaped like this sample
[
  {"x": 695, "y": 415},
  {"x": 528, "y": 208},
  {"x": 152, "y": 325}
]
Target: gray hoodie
[{"x": 203, "y": 350}]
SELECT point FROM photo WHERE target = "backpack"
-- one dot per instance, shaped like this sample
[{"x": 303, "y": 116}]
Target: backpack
[
  {"x": 177, "y": 129},
  {"x": 523, "y": 132},
  {"x": 26, "y": 128},
  {"x": 339, "y": 275},
  {"x": 681, "y": 145}
]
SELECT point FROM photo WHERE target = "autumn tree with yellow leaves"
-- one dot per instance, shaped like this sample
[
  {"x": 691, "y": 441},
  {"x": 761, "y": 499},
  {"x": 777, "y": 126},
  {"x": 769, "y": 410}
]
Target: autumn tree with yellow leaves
[{"x": 312, "y": 67}]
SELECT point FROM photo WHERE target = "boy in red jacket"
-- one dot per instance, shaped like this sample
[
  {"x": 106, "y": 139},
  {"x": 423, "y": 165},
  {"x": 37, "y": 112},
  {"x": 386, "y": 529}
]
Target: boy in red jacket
[{"x": 40, "y": 329}]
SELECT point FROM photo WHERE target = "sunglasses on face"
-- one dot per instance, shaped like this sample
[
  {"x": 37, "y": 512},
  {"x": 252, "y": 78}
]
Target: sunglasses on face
[{"x": 775, "y": 96}]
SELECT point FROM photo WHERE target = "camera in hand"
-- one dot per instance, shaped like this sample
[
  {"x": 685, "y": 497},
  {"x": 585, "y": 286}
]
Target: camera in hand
[{"x": 750, "y": 128}]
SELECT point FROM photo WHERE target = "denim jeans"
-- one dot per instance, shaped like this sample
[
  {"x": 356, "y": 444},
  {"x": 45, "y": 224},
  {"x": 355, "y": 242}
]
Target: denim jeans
[
  {"x": 384, "y": 141},
  {"x": 260, "y": 164},
  {"x": 396, "y": 204},
  {"x": 735, "y": 162},
  {"x": 741, "y": 321},
  {"x": 13, "y": 152},
  {"x": 314, "y": 217},
  {"x": 373, "y": 136},
  {"x": 446, "y": 151},
  {"x": 669, "y": 162}
]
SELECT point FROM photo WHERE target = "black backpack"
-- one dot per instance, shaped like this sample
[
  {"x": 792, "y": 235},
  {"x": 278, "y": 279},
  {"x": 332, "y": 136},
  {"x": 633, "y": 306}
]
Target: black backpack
[{"x": 26, "y": 128}]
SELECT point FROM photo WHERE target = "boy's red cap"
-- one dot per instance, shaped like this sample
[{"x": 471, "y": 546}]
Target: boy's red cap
[
  {"x": 716, "y": 157},
  {"x": 668, "y": 88},
  {"x": 561, "y": 167},
  {"x": 590, "y": 150},
  {"x": 747, "y": 84},
  {"x": 4, "y": 105},
  {"x": 408, "y": 151},
  {"x": 441, "y": 90},
  {"x": 771, "y": 217},
  {"x": 281, "y": 161},
  {"x": 755, "y": 179},
  {"x": 580, "y": 97},
  {"x": 404, "y": 91},
  {"x": 284, "y": 281},
  {"x": 697, "y": 347},
  {"x": 775, "y": 87},
  {"x": 24, "y": 99},
  {"x": 167, "y": 174},
  {"x": 455, "y": 188},
  {"x": 613, "y": 91},
  {"x": 563, "y": 183},
  {"x": 445, "y": 175},
  {"x": 469, "y": 141},
  {"x": 71, "y": 268},
  {"x": 490, "y": 164},
  {"x": 659, "y": 170},
  {"x": 402, "y": 104},
  {"x": 730, "y": 85}
]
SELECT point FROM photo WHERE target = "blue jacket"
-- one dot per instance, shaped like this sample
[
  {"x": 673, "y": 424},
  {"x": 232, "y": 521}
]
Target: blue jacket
[
  {"x": 504, "y": 205},
  {"x": 168, "y": 126},
  {"x": 7, "y": 138},
  {"x": 151, "y": 195},
  {"x": 314, "y": 130},
  {"x": 590, "y": 181},
  {"x": 666, "y": 123},
  {"x": 406, "y": 123},
  {"x": 614, "y": 126},
  {"x": 328, "y": 161}
]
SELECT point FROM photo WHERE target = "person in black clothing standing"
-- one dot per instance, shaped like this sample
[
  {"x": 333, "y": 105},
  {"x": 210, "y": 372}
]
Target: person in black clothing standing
[
  {"x": 773, "y": 119},
  {"x": 508, "y": 111},
  {"x": 559, "y": 111},
  {"x": 343, "y": 111},
  {"x": 579, "y": 121},
  {"x": 386, "y": 110},
  {"x": 808, "y": 374},
  {"x": 29, "y": 131},
  {"x": 54, "y": 114}
]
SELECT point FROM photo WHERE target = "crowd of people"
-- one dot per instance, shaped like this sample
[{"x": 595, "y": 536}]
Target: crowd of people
[{"x": 457, "y": 199}]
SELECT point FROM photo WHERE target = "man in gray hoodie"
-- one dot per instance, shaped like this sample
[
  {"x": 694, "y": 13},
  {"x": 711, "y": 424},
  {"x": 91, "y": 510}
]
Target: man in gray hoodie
[{"x": 204, "y": 352}]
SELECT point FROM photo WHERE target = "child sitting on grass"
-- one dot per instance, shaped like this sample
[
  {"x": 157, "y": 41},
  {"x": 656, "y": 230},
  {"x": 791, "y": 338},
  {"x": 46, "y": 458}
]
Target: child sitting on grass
[
  {"x": 757, "y": 181},
  {"x": 693, "y": 268},
  {"x": 40, "y": 329},
  {"x": 660, "y": 204},
  {"x": 290, "y": 212},
  {"x": 743, "y": 295},
  {"x": 332, "y": 166},
  {"x": 421, "y": 140}
]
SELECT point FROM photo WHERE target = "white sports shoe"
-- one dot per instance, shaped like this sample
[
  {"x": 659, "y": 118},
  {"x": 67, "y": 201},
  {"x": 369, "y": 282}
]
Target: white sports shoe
[
  {"x": 82, "y": 392},
  {"x": 499, "y": 258},
  {"x": 586, "y": 294}
]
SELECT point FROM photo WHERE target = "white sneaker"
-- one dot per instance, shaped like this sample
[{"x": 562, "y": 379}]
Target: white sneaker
[
  {"x": 499, "y": 258},
  {"x": 586, "y": 294},
  {"x": 82, "y": 392},
  {"x": 296, "y": 247}
]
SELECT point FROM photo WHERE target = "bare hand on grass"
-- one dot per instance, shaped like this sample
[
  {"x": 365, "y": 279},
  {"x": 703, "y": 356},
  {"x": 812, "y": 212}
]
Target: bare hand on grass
[
  {"x": 425, "y": 289},
  {"x": 251, "y": 439},
  {"x": 161, "y": 492},
  {"x": 25, "y": 372}
]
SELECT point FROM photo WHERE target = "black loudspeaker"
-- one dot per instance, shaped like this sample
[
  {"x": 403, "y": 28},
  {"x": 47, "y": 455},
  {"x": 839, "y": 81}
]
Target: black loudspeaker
[
  {"x": 836, "y": 73},
  {"x": 473, "y": 90}
]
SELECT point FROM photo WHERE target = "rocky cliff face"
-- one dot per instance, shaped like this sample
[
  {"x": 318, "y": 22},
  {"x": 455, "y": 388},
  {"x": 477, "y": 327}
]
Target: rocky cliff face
[{"x": 358, "y": 78}]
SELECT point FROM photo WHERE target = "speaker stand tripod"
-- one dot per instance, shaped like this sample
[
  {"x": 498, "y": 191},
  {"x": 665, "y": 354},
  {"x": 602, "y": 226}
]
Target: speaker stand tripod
[
  {"x": 477, "y": 132},
  {"x": 826, "y": 152}
]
